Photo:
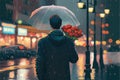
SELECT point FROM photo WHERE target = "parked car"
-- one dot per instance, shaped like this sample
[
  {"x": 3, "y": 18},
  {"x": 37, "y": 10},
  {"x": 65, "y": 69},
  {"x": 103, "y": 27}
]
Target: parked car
[
  {"x": 6, "y": 53},
  {"x": 1, "y": 47},
  {"x": 22, "y": 51},
  {"x": 17, "y": 51}
]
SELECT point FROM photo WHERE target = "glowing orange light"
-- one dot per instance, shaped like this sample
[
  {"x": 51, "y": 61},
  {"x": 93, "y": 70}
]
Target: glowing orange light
[
  {"x": 21, "y": 38},
  {"x": 34, "y": 40},
  {"x": 103, "y": 32},
  {"x": 107, "y": 25},
  {"x": 21, "y": 47},
  {"x": 92, "y": 22},
  {"x": 107, "y": 32},
  {"x": 0, "y": 28},
  {"x": 91, "y": 32},
  {"x": 103, "y": 25},
  {"x": 110, "y": 40},
  {"x": 37, "y": 35},
  {"x": 90, "y": 38},
  {"x": 105, "y": 51},
  {"x": 84, "y": 45},
  {"x": 104, "y": 42},
  {"x": 117, "y": 42}
]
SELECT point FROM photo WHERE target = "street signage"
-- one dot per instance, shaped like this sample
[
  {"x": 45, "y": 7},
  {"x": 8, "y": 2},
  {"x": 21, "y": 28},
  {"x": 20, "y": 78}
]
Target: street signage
[
  {"x": 8, "y": 30},
  {"x": 22, "y": 32}
]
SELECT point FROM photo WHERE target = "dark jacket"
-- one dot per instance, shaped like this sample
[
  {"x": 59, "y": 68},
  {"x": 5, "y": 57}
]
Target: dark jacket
[{"x": 54, "y": 54}]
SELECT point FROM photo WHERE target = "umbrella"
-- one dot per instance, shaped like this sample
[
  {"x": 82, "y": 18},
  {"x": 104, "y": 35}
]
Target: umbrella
[{"x": 40, "y": 17}]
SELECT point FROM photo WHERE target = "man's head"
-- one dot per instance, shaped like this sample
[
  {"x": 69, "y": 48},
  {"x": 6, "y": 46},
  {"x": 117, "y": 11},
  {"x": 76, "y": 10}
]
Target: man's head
[{"x": 55, "y": 22}]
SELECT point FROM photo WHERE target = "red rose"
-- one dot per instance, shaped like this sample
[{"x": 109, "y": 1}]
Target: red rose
[
  {"x": 72, "y": 31},
  {"x": 68, "y": 30},
  {"x": 70, "y": 34}
]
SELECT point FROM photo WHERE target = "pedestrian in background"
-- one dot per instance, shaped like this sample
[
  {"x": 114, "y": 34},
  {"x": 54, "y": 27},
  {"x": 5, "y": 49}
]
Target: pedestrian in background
[{"x": 54, "y": 54}]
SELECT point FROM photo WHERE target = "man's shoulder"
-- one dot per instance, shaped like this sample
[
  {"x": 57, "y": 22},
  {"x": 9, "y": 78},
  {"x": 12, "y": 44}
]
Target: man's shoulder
[{"x": 42, "y": 40}]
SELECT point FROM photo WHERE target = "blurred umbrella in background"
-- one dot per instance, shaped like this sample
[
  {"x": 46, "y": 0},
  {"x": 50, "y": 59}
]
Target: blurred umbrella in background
[{"x": 40, "y": 17}]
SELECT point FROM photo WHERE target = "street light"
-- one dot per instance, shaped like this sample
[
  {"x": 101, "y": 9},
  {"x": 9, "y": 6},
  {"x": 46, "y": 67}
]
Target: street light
[
  {"x": 106, "y": 11},
  {"x": 102, "y": 15},
  {"x": 19, "y": 21},
  {"x": 80, "y": 4},
  {"x": 87, "y": 53},
  {"x": 93, "y": 10}
]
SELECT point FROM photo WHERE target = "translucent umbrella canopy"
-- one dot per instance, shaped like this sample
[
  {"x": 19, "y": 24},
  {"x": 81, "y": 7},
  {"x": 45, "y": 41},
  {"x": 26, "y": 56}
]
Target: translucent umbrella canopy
[{"x": 40, "y": 17}]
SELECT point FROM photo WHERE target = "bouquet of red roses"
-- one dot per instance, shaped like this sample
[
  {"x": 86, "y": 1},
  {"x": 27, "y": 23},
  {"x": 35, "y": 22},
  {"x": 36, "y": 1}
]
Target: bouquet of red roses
[{"x": 72, "y": 32}]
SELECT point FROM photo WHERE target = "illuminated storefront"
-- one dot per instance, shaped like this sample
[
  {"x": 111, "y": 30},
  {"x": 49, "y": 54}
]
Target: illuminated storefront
[
  {"x": 33, "y": 35},
  {"x": 7, "y": 34},
  {"x": 22, "y": 37},
  {"x": 26, "y": 35}
]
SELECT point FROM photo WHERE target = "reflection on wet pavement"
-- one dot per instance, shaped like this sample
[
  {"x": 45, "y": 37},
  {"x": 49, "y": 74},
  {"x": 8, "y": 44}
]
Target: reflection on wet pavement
[
  {"x": 22, "y": 74},
  {"x": 12, "y": 75},
  {"x": 20, "y": 69},
  {"x": 24, "y": 69}
]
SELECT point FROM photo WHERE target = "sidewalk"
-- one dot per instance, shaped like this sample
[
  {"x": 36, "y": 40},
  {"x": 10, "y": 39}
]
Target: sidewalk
[{"x": 111, "y": 72}]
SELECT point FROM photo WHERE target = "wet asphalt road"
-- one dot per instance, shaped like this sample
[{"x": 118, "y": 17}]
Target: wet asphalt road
[
  {"x": 19, "y": 69},
  {"x": 24, "y": 69}
]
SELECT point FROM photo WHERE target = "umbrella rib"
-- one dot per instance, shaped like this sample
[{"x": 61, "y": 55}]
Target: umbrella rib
[{"x": 45, "y": 14}]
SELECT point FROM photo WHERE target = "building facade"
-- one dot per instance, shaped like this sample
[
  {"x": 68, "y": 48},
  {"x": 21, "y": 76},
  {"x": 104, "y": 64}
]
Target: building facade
[{"x": 13, "y": 10}]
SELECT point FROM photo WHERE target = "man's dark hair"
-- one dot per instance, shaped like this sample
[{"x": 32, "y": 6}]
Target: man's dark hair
[{"x": 55, "y": 22}]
